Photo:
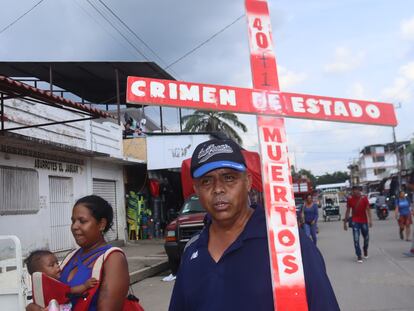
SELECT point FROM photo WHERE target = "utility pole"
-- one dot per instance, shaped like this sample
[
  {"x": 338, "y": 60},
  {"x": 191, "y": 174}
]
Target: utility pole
[{"x": 397, "y": 154}]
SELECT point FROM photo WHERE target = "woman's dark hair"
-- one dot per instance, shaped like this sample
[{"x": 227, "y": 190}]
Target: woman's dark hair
[
  {"x": 99, "y": 208},
  {"x": 33, "y": 260}
]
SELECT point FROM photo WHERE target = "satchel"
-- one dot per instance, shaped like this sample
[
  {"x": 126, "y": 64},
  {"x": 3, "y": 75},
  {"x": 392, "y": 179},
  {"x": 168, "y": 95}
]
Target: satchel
[{"x": 131, "y": 303}]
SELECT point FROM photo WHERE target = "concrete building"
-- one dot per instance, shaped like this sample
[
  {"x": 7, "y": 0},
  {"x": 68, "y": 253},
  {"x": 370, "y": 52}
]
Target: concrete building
[
  {"x": 377, "y": 162},
  {"x": 54, "y": 150}
]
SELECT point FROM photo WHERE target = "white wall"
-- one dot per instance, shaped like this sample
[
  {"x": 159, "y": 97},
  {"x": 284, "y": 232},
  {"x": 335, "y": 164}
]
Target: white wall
[
  {"x": 34, "y": 229},
  {"x": 367, "y": 167},
  {"x": 102, "y": 136}
]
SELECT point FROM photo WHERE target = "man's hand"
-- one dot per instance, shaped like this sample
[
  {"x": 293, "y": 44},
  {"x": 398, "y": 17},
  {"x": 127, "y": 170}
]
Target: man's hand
[
  {"x": 396, "y": 216},
  {"x": 370, "y": 223},
  {"x": 345, "y": 225}
]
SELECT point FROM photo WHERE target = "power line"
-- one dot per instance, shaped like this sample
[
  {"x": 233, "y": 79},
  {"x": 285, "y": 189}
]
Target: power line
[
  {"x": 204, "y": 42},
  {"x": 20, "y": 17},
  {"x": 321, "y": 152},
  {"x": 117, "y": 30},
  {"x": 100, "y": 25},
  {"x": 132, "y": 31},
  {"x": 136, "y": 36}
]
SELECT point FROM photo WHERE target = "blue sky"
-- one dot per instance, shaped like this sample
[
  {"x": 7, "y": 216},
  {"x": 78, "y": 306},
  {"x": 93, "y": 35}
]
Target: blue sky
[{"x": 354, "y": 49}]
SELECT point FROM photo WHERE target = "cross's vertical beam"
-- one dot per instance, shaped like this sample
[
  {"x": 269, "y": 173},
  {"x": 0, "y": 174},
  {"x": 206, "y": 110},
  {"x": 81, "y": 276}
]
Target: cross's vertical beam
[{"x": 285, "y": 256}]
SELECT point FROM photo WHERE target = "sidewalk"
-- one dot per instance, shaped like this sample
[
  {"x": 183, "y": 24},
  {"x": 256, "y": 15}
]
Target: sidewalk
[{"x": 146, "y": 258}]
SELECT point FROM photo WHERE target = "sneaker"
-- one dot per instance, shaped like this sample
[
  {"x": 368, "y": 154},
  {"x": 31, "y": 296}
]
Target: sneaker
[
  {"x": 169, "y": 278},
  {"x": 359, "y": 259},
  {"x": 366, "y": 254}
]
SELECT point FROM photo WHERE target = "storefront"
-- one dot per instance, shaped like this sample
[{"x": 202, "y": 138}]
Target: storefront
[{"x": 39, "y": 184}]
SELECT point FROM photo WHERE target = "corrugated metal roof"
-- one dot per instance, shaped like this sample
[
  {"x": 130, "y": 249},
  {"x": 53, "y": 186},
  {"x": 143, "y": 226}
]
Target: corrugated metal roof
[{"x": 21, "y": 89}]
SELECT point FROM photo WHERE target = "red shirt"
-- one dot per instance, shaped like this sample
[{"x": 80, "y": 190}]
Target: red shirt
[{"x": 359, "y": 213}]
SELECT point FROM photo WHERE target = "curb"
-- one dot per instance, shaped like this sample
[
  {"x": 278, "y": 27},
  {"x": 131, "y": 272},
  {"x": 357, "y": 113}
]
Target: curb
[{"x": 147, "y": 272}]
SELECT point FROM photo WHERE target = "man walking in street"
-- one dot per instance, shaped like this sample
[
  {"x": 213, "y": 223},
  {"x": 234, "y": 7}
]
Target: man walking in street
[
  {"x": 226, "y": 266},
  {"x": 410, "y": 185},
  {"x": 360, "y": 220}
]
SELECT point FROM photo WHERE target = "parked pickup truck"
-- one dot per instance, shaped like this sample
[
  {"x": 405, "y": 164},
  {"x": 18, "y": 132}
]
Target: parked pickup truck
[{"x": 188, "y": 223}]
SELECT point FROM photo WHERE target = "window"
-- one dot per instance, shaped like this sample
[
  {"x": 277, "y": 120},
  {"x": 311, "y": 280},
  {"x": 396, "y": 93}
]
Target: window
[
  {"x": 19, "y": 191},
  {"x": 378, "y": 158},
  {"x": 379, "y": 171},
  {"x": 377, "y": 149}
]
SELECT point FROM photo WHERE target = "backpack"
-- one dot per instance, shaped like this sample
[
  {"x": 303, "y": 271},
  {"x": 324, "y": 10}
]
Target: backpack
[{"x": 131, "y": 303}]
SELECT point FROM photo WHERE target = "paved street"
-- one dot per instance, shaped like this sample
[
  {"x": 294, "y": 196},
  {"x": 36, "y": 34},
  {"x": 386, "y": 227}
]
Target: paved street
[{"x": 384, "y": 282}]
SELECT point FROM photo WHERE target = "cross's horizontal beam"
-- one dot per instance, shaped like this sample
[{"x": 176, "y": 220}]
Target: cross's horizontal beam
[{"x": 259, "y": 102}]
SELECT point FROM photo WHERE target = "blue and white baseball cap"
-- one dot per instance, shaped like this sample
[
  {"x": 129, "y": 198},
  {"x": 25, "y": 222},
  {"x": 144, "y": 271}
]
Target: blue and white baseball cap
[{"x": 215, "y": 154}]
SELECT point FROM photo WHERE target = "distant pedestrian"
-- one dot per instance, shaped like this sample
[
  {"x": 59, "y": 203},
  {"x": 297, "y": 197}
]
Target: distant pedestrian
[
  {"x": 310, "y": 217},
  {"x": 410, "y": 186},
  {"x": 403, "y": 215},
  {"x": 360, "y": 220}
]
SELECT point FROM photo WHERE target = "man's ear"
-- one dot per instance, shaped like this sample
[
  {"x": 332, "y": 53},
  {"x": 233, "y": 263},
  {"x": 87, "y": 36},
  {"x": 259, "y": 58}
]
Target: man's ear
[{"x": 249, "y": 181}]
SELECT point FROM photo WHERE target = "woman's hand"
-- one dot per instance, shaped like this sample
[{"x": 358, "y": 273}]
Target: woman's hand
[{"x": 34, "y": 307}]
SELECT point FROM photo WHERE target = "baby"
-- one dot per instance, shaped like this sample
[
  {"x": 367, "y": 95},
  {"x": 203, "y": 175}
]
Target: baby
[{"x": 45, "y": 261}]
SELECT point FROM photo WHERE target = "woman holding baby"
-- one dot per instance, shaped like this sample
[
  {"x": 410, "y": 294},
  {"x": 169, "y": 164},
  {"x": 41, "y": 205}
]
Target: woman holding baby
[{"x": 91, "y": 218}]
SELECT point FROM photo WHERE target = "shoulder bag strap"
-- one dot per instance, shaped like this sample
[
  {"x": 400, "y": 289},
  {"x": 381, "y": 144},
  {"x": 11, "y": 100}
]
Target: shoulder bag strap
[
  {"x": 97, "y": 270},
  {"x": 68, "y": 258}
]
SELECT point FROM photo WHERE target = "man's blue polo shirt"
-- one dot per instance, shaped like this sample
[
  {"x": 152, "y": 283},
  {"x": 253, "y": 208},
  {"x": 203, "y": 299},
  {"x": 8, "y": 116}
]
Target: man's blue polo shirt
[{"x": 241, "y": 279}]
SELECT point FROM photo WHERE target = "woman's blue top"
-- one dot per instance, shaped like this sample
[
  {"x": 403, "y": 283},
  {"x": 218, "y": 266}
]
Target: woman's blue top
[
  {"x": 311, "y": 213},
  {"x": 84, "y": 263},
  {"x": 403, "y": 207}
]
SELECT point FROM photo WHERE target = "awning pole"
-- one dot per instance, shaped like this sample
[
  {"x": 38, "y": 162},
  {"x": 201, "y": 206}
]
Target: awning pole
[{"x": 118, "y": 96}]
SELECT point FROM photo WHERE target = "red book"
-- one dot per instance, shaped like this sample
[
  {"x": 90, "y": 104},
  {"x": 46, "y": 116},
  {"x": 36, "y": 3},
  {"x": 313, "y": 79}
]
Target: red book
[{"x": 46, "y": 288}]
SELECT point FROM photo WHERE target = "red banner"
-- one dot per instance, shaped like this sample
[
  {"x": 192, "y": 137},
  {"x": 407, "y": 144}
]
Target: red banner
[{"x": 257, "y": 101}]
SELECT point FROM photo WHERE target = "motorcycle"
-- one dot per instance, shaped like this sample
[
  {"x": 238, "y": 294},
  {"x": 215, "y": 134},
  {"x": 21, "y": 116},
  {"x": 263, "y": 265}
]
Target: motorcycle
[{"x": 382, "y": 211}]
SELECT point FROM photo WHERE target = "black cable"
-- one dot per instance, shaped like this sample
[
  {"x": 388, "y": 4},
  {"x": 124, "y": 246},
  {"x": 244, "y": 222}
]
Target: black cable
[
  {"x": 204, "y": 42},
  {"x": 117, "y": 30},
  {"x": 130, "y": 30},
  {"x": 20, "y": 17},
  {"x": 100, "y": 26}
]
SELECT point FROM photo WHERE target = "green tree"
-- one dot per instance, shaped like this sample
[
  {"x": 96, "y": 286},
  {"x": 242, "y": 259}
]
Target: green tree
[
  {"x": 335, "y": 177},
  {"x": 214, "y": 121},
  {"x": 307, "y": 173}
]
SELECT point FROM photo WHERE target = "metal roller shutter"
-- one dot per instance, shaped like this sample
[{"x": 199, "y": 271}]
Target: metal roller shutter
[
  {"x": 107, "y": 190},
  {"x": 61, "y": 201}
]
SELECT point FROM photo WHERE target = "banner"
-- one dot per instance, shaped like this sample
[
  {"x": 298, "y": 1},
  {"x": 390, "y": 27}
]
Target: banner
[{"x": 257, "y": 101}]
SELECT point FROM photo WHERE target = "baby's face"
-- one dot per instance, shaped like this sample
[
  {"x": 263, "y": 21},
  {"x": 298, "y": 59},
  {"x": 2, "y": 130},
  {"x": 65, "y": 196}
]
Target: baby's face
[{"x": 50, "y": 266}]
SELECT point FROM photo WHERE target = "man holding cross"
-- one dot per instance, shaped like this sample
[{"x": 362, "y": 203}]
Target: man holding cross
[
  {"x": 292, "y": 279},
  {"x": 227, "y": 266}
]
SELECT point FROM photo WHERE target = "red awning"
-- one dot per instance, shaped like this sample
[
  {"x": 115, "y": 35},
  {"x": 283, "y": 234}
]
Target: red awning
[
  {"x": 19, "y": 89},
  {"x": 253, "y": 165}
]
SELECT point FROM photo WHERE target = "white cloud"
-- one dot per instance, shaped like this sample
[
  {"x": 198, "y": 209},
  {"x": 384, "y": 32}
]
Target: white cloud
[
  {"x": 407, "y": 71},
  {"x": 289, "y": 78},
  {"x": 344, "y": 61},
  {"x": 402, "y": 88},
  {"x": 407, "y": 29},
  {"x": 357, "y": 90},
  {"x": 399, "y": 91}
]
